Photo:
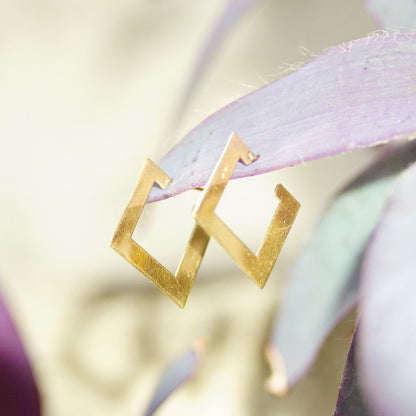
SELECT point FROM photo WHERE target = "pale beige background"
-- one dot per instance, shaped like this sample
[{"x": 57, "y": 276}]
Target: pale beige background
[{"x": 88, "y": 90}]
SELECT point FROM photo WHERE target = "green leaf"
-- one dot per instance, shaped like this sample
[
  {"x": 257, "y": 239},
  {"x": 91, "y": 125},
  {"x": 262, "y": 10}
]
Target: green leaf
[
  {"x": 387, "y": 339},
  {"x": 324, "y": 283}
]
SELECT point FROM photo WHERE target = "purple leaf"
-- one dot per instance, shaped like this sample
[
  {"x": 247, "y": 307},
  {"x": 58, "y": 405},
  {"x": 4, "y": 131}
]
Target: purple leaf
[
  {"x": 355, "y": 95},
  {"x": 323, "y": 286},
  {"x": 179, "y": 371},
  {"x": 18, "y": 393},
  {"x": 232, "y": 12},
  {"x": 397, "y": 15},
  {"x": 350, "y": 401},
  {"x": 387, "y": 339}
]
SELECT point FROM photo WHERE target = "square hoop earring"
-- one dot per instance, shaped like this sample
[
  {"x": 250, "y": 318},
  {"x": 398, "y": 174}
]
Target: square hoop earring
[
  {"x": 177, "y": 286},
  {"x": 258, "y": 266}
]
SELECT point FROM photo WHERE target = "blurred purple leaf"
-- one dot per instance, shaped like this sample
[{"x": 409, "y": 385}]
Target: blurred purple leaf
[
  {"x": 179, "y": 371},
  {"x": 397, "y": 15},
  {"x": 18, "y": 393},
  {"x": 231, "y": 13},
  {"x": 387, "y": 338},
  {"x": 355, "y": 95},
  {"x": 350, "y": 401},
  {"x": 323, "y": 286}
]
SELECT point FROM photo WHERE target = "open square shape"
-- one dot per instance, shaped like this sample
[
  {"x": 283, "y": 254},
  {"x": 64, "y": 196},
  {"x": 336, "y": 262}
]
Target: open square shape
[
  {"x": 258, "y": 266},
  {"x": 177, "y": 286}
]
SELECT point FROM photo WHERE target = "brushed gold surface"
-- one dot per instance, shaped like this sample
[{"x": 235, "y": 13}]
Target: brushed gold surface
[
  {"x": 177, "y": 286},
  {"x": 258, "y": 266}
]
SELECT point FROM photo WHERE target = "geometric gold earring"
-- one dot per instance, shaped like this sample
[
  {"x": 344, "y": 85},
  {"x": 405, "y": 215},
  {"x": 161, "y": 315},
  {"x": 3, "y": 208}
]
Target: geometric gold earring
[
  {"x": 258, "y": 266},
  {"x": 177, "y": 286}
]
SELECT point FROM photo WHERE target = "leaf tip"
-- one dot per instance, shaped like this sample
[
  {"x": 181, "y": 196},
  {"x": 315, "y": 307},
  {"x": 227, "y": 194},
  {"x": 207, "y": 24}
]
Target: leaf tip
[
  {"x": 199, "y": 348},
  {"x": 277, "y": 384}
]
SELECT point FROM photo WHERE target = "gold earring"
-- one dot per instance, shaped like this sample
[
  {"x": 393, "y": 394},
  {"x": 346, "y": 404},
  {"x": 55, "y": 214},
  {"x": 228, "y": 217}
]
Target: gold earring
[
  {"x": 177, "y": 286},
  {"x": 258, "y": 266}
]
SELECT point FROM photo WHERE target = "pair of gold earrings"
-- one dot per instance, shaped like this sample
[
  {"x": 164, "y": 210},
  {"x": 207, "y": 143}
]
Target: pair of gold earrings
[{"x": 207, "y": 224}]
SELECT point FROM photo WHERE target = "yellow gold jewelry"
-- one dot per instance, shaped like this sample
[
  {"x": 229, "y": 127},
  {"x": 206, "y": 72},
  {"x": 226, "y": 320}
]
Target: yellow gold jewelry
[
  {"x": 258, "y": 266},
  {"x": 177, "y": 286}
]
